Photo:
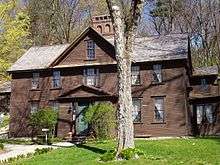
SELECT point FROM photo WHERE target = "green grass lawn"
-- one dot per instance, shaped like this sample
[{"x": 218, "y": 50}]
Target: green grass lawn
[{"x": 178, "y": 151}]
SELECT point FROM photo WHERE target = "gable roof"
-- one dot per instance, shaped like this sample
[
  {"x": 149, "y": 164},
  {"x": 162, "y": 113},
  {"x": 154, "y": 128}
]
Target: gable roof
[
  {"x": 158, "y": 48},
  {"x": 89, "y": 89},
  {"x": 210, "y": 70},
  {"x": 155, "y": 48},
  {"x": 38, "y": 57},
  {"x": 77, "y": 40}
]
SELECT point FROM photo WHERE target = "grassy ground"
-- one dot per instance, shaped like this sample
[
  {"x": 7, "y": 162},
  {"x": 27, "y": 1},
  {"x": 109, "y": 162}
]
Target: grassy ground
[{"x": 192, "y": 152}]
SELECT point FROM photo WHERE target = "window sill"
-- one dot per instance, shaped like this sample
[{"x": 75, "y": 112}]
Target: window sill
[
  {"x": 35, "y": 89},
  {"x": 91, "y": 59},
  {"x": 158, "y": 123},
  {"x": 58, "y": 88}
]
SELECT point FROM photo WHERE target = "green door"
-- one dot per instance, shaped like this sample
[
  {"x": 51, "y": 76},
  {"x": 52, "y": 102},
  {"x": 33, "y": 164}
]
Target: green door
[{"x": 81, "y": 126}]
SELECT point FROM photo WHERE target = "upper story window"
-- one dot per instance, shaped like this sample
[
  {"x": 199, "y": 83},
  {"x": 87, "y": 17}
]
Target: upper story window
[
  {"x": 35, "y": 80},
  {"x": 135, "y": 75},
  {"x": 136, "y": 112},
  {"x": 204, "y": 84},
  {"x": 204, "y": 112},
  {"x": 90, "y": 49},
  {"x": 91, "y": 76},
  {"x": 34, "y": 106},
  {"x": 54, "y": 105},
  {"x": 159, "y": 115},
  {"x": 56, "y": 82},
  {"x": 157, "y": 73}
]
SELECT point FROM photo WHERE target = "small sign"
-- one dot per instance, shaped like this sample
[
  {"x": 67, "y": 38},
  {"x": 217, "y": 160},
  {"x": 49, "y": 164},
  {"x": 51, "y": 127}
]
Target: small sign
[{"x": 45, "y": 130}]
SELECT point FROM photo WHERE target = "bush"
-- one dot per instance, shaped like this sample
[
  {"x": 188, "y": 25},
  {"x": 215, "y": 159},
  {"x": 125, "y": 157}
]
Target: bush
[
  {"x": 102, "y": 120},
  {"x": 42, "y": 151},
  {"x": 108, "y": 156},
  {"x": 5, "y": 121},
  {"x": 130, "y": 153},
  {"x": 1, "y": 146},
  {"x": 44, "y": 118}
]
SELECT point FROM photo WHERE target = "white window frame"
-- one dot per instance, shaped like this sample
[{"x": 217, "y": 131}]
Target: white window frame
[
  {"x": 159, "y": 109},
  {"x": 157, "y": 73},
  {"x": 135, "y": 75},
  {"x": 34, "y": 106},
  {"x": 205, "y": 112},
  {"x": 56, "y": 81},
  {"x": 136, "y": 111},
  {"x": 90, "y": 49},
  {"x": 35, "y": 80},
  {"x": 91, "y": 76}
]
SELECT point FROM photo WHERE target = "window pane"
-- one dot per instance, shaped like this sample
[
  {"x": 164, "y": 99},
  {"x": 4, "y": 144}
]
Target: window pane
[
  {"x": 56, "y": 79},
  {"x": 157, "y": 69},
  {"x": 90, "y": 49},
  {"x": 34, "y": 107},
  {"x": 199, "y": 113},
  {"x": 204, "y": 84},
  {"x": 35, "y": 80},
  {"x": 136, "y": 112},
  {"x": 54, "y": 105},
  {"x": 209, "y": 113},
  {"x": 159, "y": 109},
  {"x": 91, "y": 76},
  {"x": 135, "y": 75},
  {"x": 159, "y": 115}
]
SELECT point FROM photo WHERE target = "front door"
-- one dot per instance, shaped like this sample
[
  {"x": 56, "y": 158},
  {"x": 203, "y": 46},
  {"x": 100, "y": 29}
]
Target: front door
[{"x": 81, "y": 125}]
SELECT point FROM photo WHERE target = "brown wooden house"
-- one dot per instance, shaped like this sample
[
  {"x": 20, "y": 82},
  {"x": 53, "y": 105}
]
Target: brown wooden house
[{"x": 69, "y": 77}]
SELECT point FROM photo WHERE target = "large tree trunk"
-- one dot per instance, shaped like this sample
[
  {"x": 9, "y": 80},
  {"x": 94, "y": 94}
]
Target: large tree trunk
[
  {"x": 124, "y": 39},
  {"x": 124, "y": 113}
]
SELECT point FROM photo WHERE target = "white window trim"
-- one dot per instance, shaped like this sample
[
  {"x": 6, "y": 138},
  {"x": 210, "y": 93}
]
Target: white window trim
[
  {"x": 35, "y": 80},
  {"x": 55, "y": 78}
]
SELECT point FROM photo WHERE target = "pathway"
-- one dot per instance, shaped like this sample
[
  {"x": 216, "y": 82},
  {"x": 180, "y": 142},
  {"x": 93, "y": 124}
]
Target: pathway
[{"x": 13, "y": 150}]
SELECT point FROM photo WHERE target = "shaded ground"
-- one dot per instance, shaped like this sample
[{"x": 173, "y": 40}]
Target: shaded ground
[{"x": 178, "y": 151}]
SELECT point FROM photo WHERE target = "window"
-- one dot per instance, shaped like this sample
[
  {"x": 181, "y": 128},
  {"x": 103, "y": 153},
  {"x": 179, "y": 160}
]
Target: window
[
  {"x": 34, "y": 106},
  {"x": 157, "y": 73},
  {"x": 205, "y": 112},
  {"x": 90, "y": 49},
  {"x": 99, "y": 29},
  {"x": 107, "y": 28},
  {"x": 35, "y": 80},
  {"x": 159, "y": 109},
  {"x": 56, "y": 79},
  {"x": 204, "y": 84},
  {"x": 136, "y": 112},
  {"x": 91, "y": 77},
  {"x": 54, "y": 105},
  {"x": 135, "y": 75}
]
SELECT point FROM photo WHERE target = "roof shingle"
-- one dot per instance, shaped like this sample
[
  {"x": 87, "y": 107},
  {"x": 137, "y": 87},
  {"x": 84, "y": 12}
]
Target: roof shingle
[{"x": 38, "y": 57}]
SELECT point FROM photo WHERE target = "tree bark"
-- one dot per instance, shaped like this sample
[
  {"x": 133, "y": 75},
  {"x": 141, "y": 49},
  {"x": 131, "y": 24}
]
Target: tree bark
[{"x": 124, "y": 38}]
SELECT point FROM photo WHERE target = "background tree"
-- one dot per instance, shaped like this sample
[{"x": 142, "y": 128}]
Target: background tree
[
  {"x": 14, "y": 25},
  {"x": 198, "y": 18},
  {"x": 125, "y": 21}
]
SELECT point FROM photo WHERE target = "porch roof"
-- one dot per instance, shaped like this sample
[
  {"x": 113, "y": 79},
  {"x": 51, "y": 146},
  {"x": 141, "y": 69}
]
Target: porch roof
[{"x": 84, "y": 91}]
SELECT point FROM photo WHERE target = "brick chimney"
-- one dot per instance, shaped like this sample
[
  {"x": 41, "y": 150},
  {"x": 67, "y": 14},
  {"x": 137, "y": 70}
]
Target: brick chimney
[{"x": 103, "y": 25}]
